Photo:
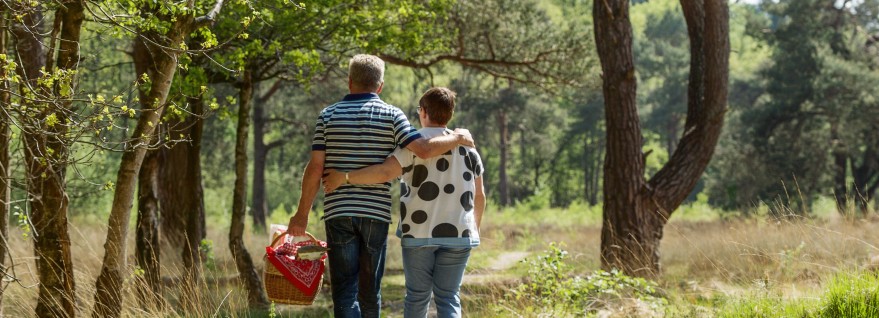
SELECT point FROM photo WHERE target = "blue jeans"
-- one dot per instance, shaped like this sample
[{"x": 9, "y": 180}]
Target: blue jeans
[
  {"x": 357, "y": 264},
  {"x": 437, "y": 270}
]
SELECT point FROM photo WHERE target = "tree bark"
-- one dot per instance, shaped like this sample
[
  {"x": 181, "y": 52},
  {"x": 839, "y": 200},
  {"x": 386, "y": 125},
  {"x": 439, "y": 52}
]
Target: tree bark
[
  {"x": 46, "y": 152},
  {"x": 180, "y": 187},
  {"x": 259, "y": 206},
  {"x": 255, "y": 293},
  {"x": 147, "y": 250},
  {"x": 636, "y": 210},
  {"x": 840, "y": 164},
  {"x": 5, "y": 121}
]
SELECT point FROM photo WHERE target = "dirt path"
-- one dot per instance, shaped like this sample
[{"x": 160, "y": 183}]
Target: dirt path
[
  {"x": 502, "y": 263},
  {"x": 507, "y": 260}
]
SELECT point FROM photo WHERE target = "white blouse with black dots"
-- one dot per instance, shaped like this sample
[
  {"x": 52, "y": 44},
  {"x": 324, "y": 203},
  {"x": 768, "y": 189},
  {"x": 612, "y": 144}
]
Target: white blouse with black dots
[{"x": 436, "y": 196}]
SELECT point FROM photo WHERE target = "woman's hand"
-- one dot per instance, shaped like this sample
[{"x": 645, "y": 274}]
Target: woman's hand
[{"x": 332, "y": 180}]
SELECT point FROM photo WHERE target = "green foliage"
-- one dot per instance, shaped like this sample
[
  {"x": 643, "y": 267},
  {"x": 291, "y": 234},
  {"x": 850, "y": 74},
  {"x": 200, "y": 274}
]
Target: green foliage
[
  {"x": 804, "y": 119},
  {"x": 763, "y": 307},
  {"x": 552, "y": 290},
  {"x": 515, "y": 40},
  {"x": 851, "y": 295},
  {"x": 206, "y": 248},
  {"x": 658, "y": 155},
  {"x": 662, "y": 57},
  {"x": 847, "y": 294},
  {"x": 272, "y": 311},
  {"x": 22, "y": 221}
]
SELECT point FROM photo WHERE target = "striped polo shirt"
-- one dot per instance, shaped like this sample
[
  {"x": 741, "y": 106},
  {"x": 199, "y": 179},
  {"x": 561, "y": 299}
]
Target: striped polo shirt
[{"x": 360, "y": 131}]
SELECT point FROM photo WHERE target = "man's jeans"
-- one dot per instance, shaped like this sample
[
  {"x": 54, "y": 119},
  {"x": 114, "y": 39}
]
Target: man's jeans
[
  {"x": 357, "y": 264},
  {"x": 434, "y": 269}
]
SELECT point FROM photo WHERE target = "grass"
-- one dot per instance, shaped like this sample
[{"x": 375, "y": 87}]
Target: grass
[{"x": 712, "y": 267}]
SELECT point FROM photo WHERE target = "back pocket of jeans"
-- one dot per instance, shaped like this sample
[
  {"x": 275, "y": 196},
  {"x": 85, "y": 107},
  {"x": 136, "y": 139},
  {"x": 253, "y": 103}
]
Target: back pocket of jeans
[{"x": 340, "y": 231}]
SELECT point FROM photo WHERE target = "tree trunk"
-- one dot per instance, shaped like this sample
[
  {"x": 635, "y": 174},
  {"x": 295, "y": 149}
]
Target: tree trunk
[
  {"x": 861, "y": 176},
  {"x": 635, "y": 211},
  {"x": 46, "y": 153},
  {"x": 147, "y": 249},
  {"x": 623, "y": 168},
  {"x": 160, "y": 65},
  {"x": 181, "y": 189},
  {"x": 259, "y": 206},
  {"x": 587, "y": 167},
  {"x": 596, "y": 170},
  {"x": 255, "y": 294},
  {"x": 840, "y": 164},
  {"x": 503, "y": 186},
  {"x": 5, "y": 119}
]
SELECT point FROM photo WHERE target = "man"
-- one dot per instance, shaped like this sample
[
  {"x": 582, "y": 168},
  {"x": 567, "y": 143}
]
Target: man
[
  {"x": 441, "y": 206},
  {"x": 359, "y": 131}
]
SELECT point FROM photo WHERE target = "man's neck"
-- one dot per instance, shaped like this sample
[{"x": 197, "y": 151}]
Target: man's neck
[
  {"x": 353, "y": 92},
  {"x": 431, "y": 125}
]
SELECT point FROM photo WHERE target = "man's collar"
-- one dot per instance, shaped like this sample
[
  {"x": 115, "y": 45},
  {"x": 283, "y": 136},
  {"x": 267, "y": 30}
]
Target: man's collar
[{"x": 351, "y": 97}]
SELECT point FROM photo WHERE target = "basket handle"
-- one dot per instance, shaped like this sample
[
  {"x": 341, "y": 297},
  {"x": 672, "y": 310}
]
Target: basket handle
[{"x": 310, "y": 236}]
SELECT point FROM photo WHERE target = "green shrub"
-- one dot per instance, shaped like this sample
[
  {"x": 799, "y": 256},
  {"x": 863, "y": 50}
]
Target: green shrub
[{"x": 552, "y": 289}]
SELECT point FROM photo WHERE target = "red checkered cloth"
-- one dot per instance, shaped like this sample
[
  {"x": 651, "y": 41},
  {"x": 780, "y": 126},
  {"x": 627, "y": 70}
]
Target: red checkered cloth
[{"x": 304, "y": 274}]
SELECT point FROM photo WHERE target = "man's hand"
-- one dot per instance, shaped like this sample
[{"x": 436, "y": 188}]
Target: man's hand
[
  {"x": 333, "y": 179},
  {"x": 297, "y": 225},
  {"x": 464, "y": 137}
]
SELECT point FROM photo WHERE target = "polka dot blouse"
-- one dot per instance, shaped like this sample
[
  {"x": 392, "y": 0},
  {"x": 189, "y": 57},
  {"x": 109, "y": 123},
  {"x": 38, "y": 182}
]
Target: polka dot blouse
[{"x": 436, "y": 197}]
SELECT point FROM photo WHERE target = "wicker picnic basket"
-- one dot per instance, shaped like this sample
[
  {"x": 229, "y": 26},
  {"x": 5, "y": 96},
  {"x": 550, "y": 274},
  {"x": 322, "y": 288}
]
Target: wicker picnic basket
[{"x": 278, "y": 288}]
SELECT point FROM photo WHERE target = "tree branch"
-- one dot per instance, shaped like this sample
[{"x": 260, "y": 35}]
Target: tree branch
[
  {"x": 274, "y": 89},
  {"x": 208, "y": 19},
  {"x": 275, "y": 144}
]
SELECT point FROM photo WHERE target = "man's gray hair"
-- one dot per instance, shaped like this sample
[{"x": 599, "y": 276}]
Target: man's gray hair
[{"x": 366, "y": 71}]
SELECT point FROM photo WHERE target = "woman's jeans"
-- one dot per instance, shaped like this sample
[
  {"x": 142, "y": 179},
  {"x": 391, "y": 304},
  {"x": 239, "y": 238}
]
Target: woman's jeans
[
  {"x": 437, "y": 270},
  {"x": 357, "y": 264}
]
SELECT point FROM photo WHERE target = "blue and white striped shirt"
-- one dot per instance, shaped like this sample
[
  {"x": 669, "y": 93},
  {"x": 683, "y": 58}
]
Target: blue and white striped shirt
[{"x": 360, "y": 131}]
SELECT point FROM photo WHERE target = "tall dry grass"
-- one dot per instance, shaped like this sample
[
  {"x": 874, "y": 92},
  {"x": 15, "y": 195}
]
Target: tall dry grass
[
  {"x": 705, "y": 261},
  {"x": 766, "y": 253},
  {"x": 702, "y": 260},
  {"x": 217, "y": 295}
]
